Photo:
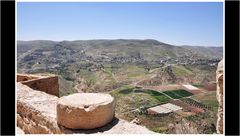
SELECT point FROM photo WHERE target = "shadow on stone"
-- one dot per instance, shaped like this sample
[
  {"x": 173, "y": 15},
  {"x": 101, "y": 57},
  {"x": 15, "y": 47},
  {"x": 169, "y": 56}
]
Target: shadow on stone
[{"x": 91, "y": 131}]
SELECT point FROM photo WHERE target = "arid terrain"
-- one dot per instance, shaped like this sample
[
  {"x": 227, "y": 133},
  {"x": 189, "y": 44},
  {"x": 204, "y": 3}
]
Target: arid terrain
[{"x": 140, "y": 74}]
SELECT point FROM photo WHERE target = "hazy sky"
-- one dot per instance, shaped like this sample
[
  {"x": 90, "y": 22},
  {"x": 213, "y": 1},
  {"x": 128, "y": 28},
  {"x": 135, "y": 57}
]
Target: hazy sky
[{"x": 177, "y": 23}]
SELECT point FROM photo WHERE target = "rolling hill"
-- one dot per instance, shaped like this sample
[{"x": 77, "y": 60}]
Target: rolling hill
[{"x": 103, "y": 65}]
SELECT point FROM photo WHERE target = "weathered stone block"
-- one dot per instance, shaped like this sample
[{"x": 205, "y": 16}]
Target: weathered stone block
[
  {"x": 26, "y": 77},
  {"x": 219, "y": 78},
  {"x": 85, "y": 110},
  {"x": 35, "y": 111},
  {"x": 48, "y": 84}
]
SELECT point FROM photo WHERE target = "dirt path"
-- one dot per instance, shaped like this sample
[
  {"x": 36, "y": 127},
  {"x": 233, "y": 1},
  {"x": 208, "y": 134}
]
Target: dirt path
[
  {"x": 78, "y": 90},
  {"x": 76, "y": 87},
  {"x": 135, "y": 83},
  {"x": 153, "y": 70}
]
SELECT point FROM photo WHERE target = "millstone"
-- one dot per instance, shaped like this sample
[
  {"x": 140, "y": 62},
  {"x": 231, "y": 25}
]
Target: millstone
[{"x": 85, "y": 110}]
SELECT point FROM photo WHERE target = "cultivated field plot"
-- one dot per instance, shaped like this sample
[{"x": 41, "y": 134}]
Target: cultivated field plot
[
  {"x": 176, "y": 94},
  {"x": 159, "y": 96},
  {"x": 164, "y": 87},
  {"x": 158, "y": 110},
  {"x": 192, "y": 89},
  {"x": 150, "y": 97},
  {"x": 164, "y": 108},
  {"x": 187, "y": 107},
  {"x": 155, "y": 94},
  {"x": 195, "y": 91},
  {"x": 208, "y": 99},
  {"x": 171, "y": 107}
]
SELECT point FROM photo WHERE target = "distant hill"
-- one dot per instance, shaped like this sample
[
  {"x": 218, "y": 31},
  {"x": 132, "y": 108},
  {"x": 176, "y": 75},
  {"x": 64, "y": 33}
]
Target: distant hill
[
  {"x": 104, "y": 65},
  {"x": 147, "y": 49}
]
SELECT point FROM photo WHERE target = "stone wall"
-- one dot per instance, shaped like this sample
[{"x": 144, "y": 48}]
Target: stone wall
[
  {"x": 219, "y": 80},
  {"x": 48, "y": 84},
  {"x": 24, "y": 77},
  {"x": 36, "y": 114}
]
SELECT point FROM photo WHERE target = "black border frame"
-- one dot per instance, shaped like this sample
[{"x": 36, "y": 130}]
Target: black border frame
[
  {"x": 7, "y": 70},
  {"x": 232, "y": 68}
]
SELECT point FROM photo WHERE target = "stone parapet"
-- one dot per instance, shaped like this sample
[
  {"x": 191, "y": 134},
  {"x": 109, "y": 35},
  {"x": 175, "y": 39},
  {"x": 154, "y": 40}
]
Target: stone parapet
[
  {"x": 36, "y": 114},
  {"x": 45, "y": 83}
]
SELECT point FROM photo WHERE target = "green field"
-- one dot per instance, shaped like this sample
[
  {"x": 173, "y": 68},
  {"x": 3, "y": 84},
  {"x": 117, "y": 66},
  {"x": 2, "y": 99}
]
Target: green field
[
  {"x": 126, "y": 91},
  {"x": 198, "y": 85},
  {"x": 151, "y": 93},
  {"x": 176, "y": 94},
  {"x": 159, "y": 96}
]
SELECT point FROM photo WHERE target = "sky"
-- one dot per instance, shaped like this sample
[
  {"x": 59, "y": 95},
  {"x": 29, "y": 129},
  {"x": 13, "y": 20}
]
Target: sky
[{"x": 176, "y": 23}]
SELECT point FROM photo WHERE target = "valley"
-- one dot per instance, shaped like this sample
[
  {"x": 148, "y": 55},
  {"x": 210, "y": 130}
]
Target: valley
[{"x": 140, "y": 74}]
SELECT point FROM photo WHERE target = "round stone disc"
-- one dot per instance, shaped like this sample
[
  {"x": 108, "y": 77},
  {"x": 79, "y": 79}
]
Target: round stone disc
[{"x": 85, "y": 110}]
